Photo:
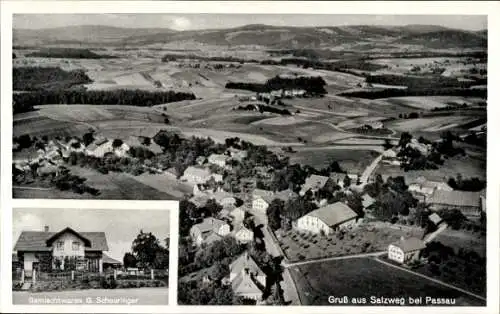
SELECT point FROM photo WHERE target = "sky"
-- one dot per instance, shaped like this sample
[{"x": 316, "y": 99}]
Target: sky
[
  {"x": 121, "y": 226},
  {"x": 204, "y": 21}
]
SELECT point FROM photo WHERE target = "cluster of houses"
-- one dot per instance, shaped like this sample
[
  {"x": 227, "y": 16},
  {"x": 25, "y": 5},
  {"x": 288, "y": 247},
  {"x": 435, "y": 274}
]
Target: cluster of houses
[{"x": 56, "y": 152}]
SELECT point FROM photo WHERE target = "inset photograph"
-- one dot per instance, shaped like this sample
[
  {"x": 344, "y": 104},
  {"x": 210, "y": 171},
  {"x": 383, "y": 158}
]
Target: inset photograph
[{"x": 90, "y": 256}]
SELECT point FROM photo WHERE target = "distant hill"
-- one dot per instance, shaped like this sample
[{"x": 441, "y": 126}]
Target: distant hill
[
  {"x": 445, "y": 39},
  {"x": 276, "y": 37}
]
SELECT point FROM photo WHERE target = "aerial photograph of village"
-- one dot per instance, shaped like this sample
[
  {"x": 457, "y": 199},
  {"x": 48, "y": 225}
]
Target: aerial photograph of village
[
  {"x": 90, "y": 256},
  {"x": 317, "y": 159}
]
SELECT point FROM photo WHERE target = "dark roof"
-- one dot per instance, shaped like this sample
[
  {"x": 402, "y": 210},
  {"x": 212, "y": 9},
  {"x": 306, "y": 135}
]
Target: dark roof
[
  {"x": 55, "y": 236},
  {"x": 36, "y": 241},
  {"x": 410, "y": 244},
  {"x": 245, "y": 261},
  {"x": 109, "y": 260},
  {"x": 455, "y": 198}
]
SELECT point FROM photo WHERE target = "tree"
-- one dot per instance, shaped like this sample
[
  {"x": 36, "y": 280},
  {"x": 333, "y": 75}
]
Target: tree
[
  {"x": 387, "y": 144},
  {"x": 347, "y": 181},
  {"x": 145, "y": 248},
  {"x": 117, "y": 143},
  {"x": 88, "y": 138},
  {"x": 274, "y": 214},
  {"x": 404, "y": 139},
  {"x": 129, "y": 260}
]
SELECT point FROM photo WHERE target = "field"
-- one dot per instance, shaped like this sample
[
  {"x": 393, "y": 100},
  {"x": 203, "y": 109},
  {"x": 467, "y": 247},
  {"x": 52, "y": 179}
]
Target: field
[
  {"x": 363, "y": 278},
  {"x": 431, "y": 102},
  {"x": 467, "y": 166},
  {"x": 349, "y": 159},
  {"x": 113, "y": 186},
  {"x": 431, "y": 124},
  {"x": 463, "y": 239}
]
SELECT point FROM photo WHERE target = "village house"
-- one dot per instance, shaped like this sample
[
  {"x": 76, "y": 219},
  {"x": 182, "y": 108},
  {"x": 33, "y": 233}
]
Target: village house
[
  {"x": 285, "y": 195},
  {"x": 468, "y": 203},
  {"x": 327, "y": 219},
  {"x": 99, "y": 147},
  {"x": 314, "y": 183},
  {"x": 367, "y": 201},
  {"x": 209, "y": 230},
  {"x": 405, "y": 250},
  {"x": 110, "y": 263},
  {"x": 243, "y": 234},
  {"x": 36, "y": 247},
  {"x": 246, "y": 277},
  {"x": 237, "y": 154},
  {"x": 237, "y": 214},
  {"x": 195, "y": 175},
  {"x": 425, "y": 188},
  {"x": 435, "y": 219},
  {"x": 219, "y": 160},
  {"x": 261, "y": 199},
  {"x": 200, "y": 160},
  {"x": 199, "y": 200},
  {"x": 225, "y": 199},
  {"x": 338, "y": 178}
]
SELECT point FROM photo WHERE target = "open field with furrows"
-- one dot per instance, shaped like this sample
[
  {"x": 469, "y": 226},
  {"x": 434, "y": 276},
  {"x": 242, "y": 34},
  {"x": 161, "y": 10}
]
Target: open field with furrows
[
  {"x": 404, "y": 65},
  {"x": 39, "y": 126},
  {"x": 430, "y": 102},
  {"x": 467, "y": 166},
  {"x": 364, "y": 278},
  {"x": 431, "y": 124},
  {"x": 350, "y": 160}
]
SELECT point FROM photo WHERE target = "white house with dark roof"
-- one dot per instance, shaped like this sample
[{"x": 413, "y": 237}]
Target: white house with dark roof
[
  {"x": 261, "y": 199},
  {"x": 327, "y": 219},
  {"x": 246, "y": 277},
  {"x": 219, "y": 160},
  {"x": 195, "y": 175},
  {"x": 405, "y": 250},
  {"x": 86, "y": 247},
  {"x": 223, "y": 198},
  {"x": 208, "y": 229}
]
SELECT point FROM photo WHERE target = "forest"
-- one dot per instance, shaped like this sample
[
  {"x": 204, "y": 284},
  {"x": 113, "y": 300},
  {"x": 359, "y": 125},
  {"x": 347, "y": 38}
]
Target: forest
[
  {"x": 24, "y": 102},
  {"x": 68, "y": 53},
  {"x": 40, "y": 78},
  {"x": 314, "y": 85}
]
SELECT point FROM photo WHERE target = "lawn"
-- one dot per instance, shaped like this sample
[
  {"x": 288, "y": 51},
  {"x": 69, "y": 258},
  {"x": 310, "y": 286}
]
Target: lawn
[
  {"x": 350, "y": 160},
  {"x": 467, "y": 166},
  {"x": 366, "y": 238},
  {"x": 363, "y": 278}
]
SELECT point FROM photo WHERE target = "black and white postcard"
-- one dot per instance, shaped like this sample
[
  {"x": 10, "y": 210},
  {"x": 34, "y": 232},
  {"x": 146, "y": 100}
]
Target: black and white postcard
[{"x": 321, "y": 154}]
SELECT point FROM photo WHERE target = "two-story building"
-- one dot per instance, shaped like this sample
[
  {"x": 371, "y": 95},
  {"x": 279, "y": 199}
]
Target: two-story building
[
  {"x": 247, "y": 278},
  {"x": 327, "y": 219},
  {"x": 405, "y": 250},
  {"x": 208, "y": 229},
  {"x": 36, "y": 247}
]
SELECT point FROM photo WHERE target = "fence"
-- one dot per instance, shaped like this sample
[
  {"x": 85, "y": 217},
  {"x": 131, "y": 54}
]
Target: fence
[{"x": 151, "y": 274}]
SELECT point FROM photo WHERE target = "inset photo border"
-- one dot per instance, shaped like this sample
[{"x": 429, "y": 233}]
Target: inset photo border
[{"x": 102, "y": 255}]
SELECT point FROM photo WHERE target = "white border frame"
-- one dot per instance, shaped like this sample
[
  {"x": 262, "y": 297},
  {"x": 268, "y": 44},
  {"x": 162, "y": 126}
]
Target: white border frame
[{"x": 492, "y": 9}]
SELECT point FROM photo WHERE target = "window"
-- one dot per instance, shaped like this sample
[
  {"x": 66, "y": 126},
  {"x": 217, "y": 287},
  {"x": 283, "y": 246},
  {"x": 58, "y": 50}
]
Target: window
[
  {"x": 60, "y": 245},
  {"x": 76, "y": 246}
]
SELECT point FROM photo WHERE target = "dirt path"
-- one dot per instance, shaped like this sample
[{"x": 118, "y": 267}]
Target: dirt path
[
  {"x": 432, "y": 279},
  {"x": 335, "y": 258},
  {"x": 369, "y": 170}
]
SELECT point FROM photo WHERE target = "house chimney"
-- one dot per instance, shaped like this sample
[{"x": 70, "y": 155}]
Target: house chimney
[{"x": 46, "y": 228}]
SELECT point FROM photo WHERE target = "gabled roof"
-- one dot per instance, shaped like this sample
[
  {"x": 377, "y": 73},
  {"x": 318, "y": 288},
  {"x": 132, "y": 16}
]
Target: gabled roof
[
  {"x": 245, "y": 261},
  {"x": 220, "y": 195},
  {"x": 314, "y": 182},
  {"x": 455, "y": 198},
  {"x": 367, "y": 200},
  {"x": 242, "y": 285},
  {"x": 268, "y": 196},
  {"x": 57, "y": 235},
  {"x": 333, "y": 214},
  {"x": 197, "y": 172},
  {"x": 410, "y": 244},
  {"x": 210, "y": 237},
  {"x": 285, "y": 195},
  {"x": 209, "y": 224},
  {"x": 36, "y": 241},
  {"x": 435, "y": 218},
  {"x": 218, "y": 157},
  {"x": 199, "y": 201}
]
